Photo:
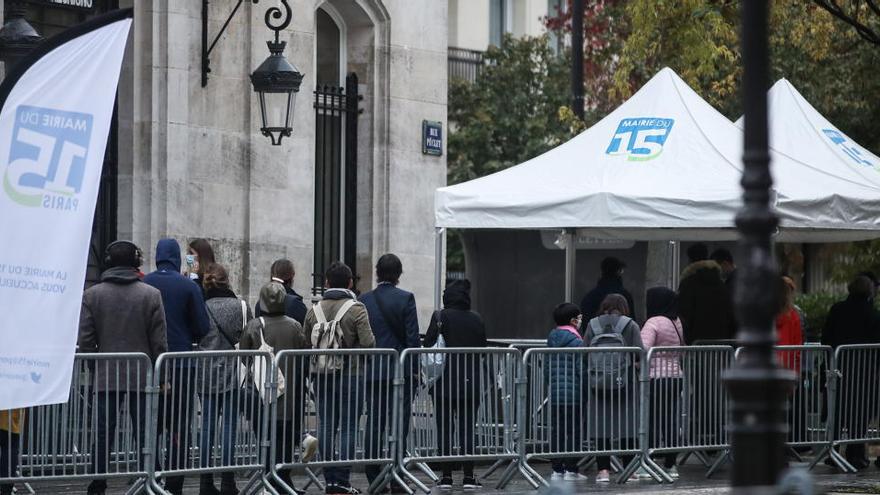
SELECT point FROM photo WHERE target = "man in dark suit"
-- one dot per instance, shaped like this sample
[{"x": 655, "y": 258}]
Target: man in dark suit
[
  {"x": 283, "y": 272},
  {"x": 395, "y": 324}
]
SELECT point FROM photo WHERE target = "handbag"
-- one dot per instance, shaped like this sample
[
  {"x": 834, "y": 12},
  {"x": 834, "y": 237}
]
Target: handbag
[{"x": 432, "y": 363}]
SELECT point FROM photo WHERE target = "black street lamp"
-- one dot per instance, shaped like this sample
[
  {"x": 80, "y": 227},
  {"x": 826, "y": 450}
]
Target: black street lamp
[
  {"x": 17, "y": 36},
  {"x": 758, "y": 387},
  {"x": 277, "y": 81}
]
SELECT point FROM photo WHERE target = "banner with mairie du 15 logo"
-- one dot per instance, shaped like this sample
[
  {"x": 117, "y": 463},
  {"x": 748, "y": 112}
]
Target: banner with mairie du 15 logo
[{"x": 55, "y": 113}]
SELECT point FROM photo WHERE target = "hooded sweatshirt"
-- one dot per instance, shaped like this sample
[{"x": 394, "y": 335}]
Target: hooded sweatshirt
[{"x": 184, "y": 304}]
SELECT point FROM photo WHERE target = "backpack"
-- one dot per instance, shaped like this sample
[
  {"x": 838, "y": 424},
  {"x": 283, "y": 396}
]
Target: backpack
[
  {"x": 608, "y": 370},
  {"x": 328, "y": 335}
]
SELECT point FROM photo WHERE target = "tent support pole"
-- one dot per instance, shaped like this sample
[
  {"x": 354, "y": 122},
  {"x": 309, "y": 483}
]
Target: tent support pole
[
  {"x": 438, "y": 266},
  {"x": 674, "y": 264},
  {"x": 570, "y": 261}
]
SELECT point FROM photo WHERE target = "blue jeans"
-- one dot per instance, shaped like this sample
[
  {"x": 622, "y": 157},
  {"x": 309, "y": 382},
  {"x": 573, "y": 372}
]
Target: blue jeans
[
  {"x": 336, "y": 410},
  {"x": 212, "y": 404}
]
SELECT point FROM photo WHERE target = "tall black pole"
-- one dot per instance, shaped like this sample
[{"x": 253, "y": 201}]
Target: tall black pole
[
  {"x": 758, "y": 387},
  {"x": 577, "y": 57}
]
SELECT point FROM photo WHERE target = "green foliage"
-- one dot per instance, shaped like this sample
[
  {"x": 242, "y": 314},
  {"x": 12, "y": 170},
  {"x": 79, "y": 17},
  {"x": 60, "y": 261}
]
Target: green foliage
[
  {"x": 824, "y": 58},
  {"x": 815, "y": 307},
  {"x": 857, "y": 257},
  {"x": 509, "y": 114}
]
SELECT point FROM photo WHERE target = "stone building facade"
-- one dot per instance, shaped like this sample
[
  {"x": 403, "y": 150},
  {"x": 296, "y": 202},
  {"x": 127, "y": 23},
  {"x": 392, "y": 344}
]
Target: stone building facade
[{"x": 188, "y": 161}]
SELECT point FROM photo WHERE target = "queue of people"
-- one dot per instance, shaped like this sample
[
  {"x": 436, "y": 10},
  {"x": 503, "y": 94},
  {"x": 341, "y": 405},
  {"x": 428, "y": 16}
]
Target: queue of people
[{"x": 190, "y": 302}]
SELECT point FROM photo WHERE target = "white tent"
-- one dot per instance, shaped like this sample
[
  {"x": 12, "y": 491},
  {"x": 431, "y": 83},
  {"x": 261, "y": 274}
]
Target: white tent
[
  {"x": 801, "y": 132},
  {"x": 664, "y": 165}
]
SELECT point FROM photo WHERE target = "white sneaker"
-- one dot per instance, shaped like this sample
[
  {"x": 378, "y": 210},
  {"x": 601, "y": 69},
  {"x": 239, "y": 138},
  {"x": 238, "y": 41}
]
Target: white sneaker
[
  {"x": 309, "y": 447},
  {"x": 672, "y": 472},
  {"x": 573, "y": 476},
  {"x": 557, "y": 476},
  {"x": 604, "y": 476}
]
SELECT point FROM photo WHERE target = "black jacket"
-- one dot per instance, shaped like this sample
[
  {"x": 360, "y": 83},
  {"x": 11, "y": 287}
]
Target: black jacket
[
  {"x": 293, "y": 306},
  {"x": 704, "y": 303},
  {"x": 606, "y": 285},
  {"x": 463, "y": 374},
  {"x": 851, "y": 321}
]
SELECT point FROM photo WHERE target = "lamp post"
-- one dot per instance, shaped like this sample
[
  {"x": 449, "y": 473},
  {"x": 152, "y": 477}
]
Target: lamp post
[
  {"x": 277, "y": 81},
  {"x": 17, "y": 36},
  {"x": 758, "y": 387}
]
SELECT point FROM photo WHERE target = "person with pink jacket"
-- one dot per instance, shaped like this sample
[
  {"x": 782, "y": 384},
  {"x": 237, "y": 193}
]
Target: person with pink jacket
[{"x": 663, "y": 329}]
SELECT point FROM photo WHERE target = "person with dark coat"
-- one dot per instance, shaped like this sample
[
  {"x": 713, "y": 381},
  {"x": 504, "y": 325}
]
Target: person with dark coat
[
  {"x": 457, "y": 392},
  {"x": 611, "y": 282},
  {"x": 612, "y": 413},
  {"x": 187, "y": 323},
  {"x": 283, "y": 272},
  {"x": 120, "y": 314},
  {"x": 704, "y": 302},
  {"x": 218, "y": 382},
  {"x": 282, "y": 332},
  {"x": 564, "y": 376},
  {"x": 395, "y": 324},
  {"x": 855, "y": 320}
]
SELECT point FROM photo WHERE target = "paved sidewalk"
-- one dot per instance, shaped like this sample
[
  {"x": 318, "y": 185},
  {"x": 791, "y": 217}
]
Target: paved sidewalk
[{"x": 691, "y": 482}]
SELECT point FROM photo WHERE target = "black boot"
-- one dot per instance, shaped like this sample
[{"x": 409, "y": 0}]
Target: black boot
[
  {"x": 227, "y": 484},
  {"x": 206, "y": 485}
]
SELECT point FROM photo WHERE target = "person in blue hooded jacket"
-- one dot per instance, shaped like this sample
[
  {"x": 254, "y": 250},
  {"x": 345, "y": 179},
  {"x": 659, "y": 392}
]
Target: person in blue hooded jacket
[
  {"x": 565, "y": 381},
  {"x": 187, "y": 322}
]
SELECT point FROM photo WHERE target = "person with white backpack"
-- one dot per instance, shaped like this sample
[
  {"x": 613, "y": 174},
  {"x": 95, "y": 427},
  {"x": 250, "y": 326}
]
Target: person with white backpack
[
  {"x": 219, "y": 383},
  {"x": 338, "y": 321},
  {"x": 279, "y": 332},
  {"x": 612, "y": 404}
]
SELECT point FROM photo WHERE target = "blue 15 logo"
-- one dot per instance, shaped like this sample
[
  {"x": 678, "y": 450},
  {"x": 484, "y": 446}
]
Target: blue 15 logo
[
  {"x": 848, "y": 147},
  {"x": 47, "y": 157},
  {"x": 641, "y": 138}
]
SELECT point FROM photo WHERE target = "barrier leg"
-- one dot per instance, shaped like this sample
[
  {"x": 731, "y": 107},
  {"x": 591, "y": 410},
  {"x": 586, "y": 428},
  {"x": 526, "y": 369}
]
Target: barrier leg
[
  {"x": 492, "y": 469},
  {"x": 402, "y": 470},
  {"x": 429, "y": 472},
  {"x": 703, "y": 457},
  {"x": 657, "y": 473},
  {"x": 722, "y": 460},
  {"x": 820, "y": 456},
  {"x": 628, "y": 470},
  {"x": 842, "y": 463}
]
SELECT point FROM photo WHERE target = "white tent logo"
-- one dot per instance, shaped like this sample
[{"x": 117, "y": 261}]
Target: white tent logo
[
  {"x": 640, "y": 138},
  {"x": 847, "y": 146}
]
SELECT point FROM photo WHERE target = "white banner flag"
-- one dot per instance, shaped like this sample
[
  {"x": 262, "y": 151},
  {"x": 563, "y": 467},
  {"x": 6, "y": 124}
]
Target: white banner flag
[{"x": 56, "y": 110}]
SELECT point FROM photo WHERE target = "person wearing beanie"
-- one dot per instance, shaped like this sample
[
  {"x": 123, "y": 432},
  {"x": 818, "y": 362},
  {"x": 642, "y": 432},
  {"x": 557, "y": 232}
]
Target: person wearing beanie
[
  {"x": 120, "y": 314},
  {"x": 282, "y": 332}
]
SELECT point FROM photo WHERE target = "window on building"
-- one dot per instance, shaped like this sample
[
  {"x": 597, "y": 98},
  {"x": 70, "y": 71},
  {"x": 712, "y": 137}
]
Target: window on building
[{"x": 500, "y": 20}]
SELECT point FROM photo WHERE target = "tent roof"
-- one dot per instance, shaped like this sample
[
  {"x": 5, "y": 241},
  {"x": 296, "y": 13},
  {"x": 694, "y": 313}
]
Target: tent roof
[
  {"x": 664, "y": 165},
  {"x": 799, "y": 131}
]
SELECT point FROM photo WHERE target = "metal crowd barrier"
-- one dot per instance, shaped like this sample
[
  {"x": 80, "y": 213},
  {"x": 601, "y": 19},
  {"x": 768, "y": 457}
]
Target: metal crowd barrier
[
  {"x": 348, "y": 401},
  {"x": 99, "y": 433},
  {"x": 685, "y": 406},
  {"x": 583, "y": 402},
  {"x": 210, "y": 416},
  {"x": 461, "y": 411},
  {"x": 854, "y": 414},
  {"x": 203, "y": 412}
]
